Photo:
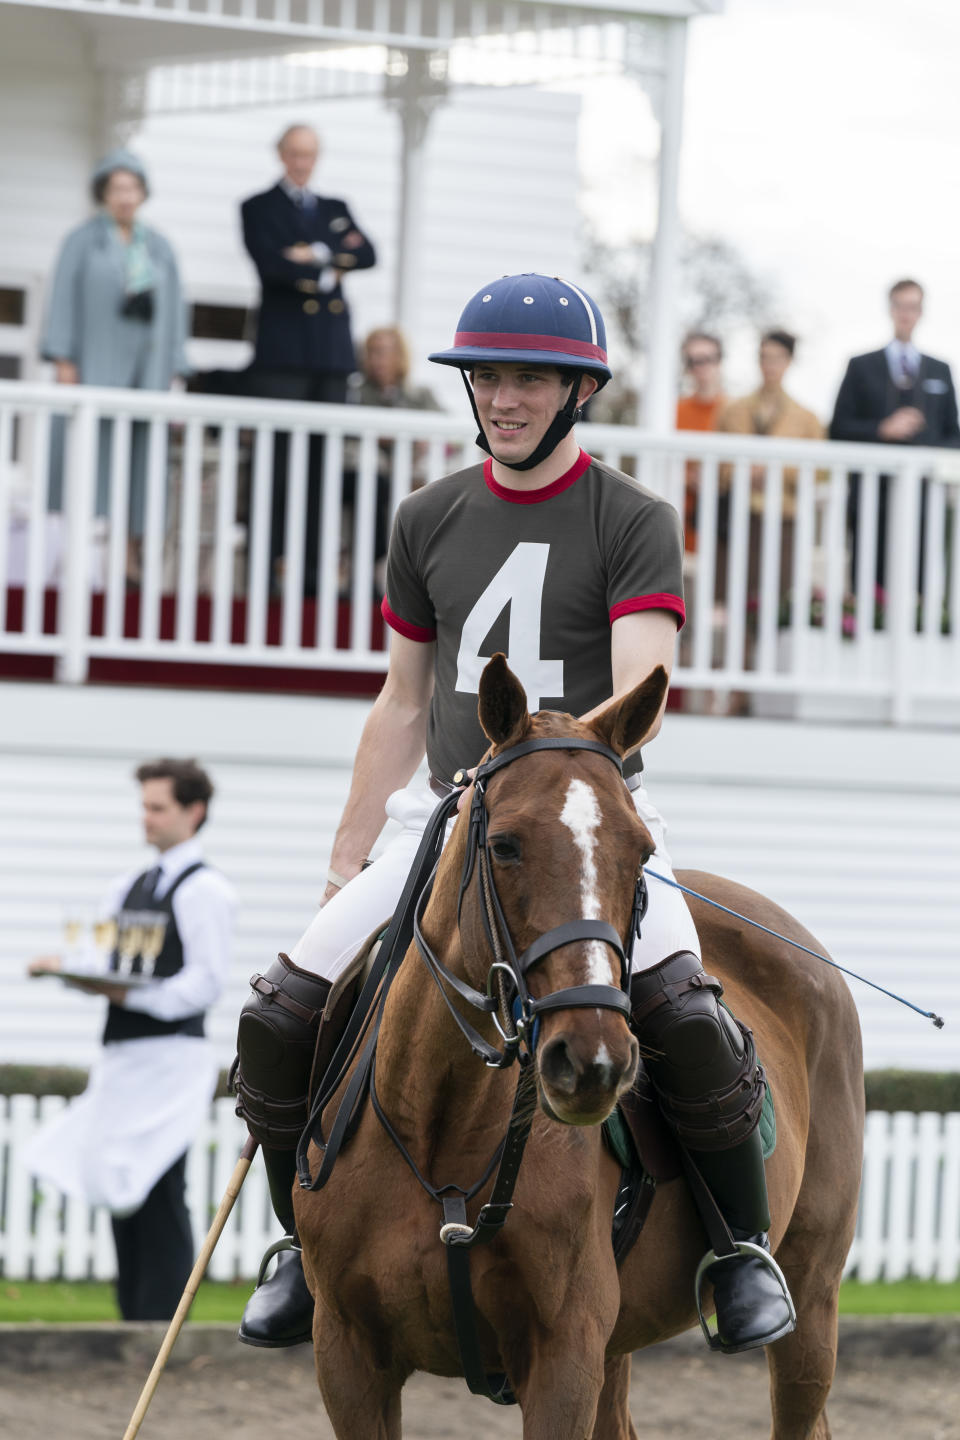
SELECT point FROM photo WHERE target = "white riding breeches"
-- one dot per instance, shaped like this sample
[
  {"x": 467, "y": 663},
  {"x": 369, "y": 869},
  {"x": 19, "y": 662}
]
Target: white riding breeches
[{"x": 338, "y": 930}]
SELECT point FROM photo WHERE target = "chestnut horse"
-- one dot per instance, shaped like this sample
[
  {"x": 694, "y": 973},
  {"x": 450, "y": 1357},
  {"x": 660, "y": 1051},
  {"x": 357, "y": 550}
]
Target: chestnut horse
[{"x": 553, "y": 1311}]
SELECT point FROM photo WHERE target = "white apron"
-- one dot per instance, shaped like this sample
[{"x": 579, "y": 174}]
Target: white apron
[{"x": 142, "y": 1108}]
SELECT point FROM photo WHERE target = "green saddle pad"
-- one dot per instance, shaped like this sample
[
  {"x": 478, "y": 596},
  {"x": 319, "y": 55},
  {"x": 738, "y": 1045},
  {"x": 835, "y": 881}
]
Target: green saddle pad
[{"x": 620, "y": 1141}]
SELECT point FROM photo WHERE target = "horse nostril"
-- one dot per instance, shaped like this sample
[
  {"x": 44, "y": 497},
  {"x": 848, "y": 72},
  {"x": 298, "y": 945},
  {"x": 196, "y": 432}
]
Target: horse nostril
[{"x": 557, "y": 1066}]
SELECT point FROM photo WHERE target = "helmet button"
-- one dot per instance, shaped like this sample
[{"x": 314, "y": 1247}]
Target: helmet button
[{"x": 528, "y": 299}]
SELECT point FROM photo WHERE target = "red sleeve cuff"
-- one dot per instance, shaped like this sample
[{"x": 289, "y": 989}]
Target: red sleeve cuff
[
  {"x": 661, "y": 601},
  {"x": 403, "y": 627}
]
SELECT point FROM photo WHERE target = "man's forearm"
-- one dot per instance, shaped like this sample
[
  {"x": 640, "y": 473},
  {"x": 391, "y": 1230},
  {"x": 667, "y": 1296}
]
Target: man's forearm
[{"x": 391, "y": 747}]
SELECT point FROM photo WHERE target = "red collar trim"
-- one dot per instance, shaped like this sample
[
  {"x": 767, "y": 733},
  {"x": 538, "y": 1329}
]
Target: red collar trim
[{"x": 546, "y": 492}]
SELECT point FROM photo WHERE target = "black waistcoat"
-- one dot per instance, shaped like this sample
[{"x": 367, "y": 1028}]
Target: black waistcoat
[{"x": 124, "y": 1024}]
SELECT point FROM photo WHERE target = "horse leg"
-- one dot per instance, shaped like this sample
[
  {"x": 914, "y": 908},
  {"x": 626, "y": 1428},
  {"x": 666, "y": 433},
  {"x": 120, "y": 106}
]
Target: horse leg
[
  {"x": 801, "y": 1365},
  {"x": 613, "y": 1408},
  {"x": 361, "y": 1394},
  {"x": 561, "y": 1387}
]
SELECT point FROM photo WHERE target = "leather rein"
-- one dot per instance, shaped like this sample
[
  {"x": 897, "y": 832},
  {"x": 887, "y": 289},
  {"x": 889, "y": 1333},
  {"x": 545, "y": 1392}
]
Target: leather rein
[{"x": 515, "y": 1013}]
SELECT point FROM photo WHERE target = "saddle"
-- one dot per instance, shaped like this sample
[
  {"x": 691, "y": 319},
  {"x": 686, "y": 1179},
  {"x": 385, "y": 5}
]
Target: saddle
[{"x": 647, "y": 1151}]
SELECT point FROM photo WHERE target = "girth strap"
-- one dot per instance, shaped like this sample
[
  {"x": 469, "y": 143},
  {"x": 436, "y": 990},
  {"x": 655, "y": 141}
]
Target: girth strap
[{"x": 459, "y": 1238}]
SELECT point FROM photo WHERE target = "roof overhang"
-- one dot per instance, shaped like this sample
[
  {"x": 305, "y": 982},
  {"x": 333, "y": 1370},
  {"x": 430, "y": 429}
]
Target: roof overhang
[{"x": 137, "y": 33}]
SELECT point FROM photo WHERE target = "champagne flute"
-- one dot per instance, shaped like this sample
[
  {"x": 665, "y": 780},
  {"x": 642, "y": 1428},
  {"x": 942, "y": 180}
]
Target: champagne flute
[
  {"x": 75, "y": 928},
  {"x": 154, "y": 935},
  {"x": 105, "y": 934},
  {"x": 131, "y": 939}
]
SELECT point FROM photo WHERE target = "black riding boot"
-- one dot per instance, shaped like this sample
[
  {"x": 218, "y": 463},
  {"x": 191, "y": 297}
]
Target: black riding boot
[
  {"x": 704, "y": 1067},
  {"x": 280, "y": 1310},
  {"x": 280, "y": 1043}
]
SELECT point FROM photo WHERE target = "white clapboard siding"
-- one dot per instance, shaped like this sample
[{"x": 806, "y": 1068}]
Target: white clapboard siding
[
  {"x": 853, "y": 829},
  {"x": 909, "y": 1221}
]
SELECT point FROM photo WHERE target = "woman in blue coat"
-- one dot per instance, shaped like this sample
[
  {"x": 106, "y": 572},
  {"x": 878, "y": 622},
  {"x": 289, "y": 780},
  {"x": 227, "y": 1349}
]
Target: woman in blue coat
[{"x": 116, "y": 315}]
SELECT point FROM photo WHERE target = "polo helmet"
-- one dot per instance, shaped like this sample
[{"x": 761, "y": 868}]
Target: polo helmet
[{"x": 540, "y": 319}]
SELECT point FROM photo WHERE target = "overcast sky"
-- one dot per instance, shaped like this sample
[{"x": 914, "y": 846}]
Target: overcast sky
[{"x": 821, "y": 137}]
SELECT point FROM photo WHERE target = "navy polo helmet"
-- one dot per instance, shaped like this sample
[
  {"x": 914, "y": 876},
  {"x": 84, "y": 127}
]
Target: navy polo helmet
[{"x": 540, "y": 319}]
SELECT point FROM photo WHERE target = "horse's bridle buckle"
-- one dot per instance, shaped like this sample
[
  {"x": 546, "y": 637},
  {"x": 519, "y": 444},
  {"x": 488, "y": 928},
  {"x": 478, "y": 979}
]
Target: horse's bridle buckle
[{"x": 510, "y": 1041}]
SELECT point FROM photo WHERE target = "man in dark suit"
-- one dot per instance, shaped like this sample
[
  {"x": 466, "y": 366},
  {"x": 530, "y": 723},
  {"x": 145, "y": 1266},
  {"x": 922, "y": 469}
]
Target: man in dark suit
[
  {"x": 302, "y": 244},
  {"x": 895, "y": 396}
]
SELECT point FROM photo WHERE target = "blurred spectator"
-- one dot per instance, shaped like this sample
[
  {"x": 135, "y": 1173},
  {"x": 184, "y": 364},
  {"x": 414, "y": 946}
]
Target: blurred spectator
[
  {"x": 894, "y": 396},
  {"x": 384, "y": 381},
  {"x": 160, "y": 953},
  {"x": 702, "y": 356},
  {"x": 769, "y": 410},
  {"x": 115, "y": 316},
  {"x": 302, "y": 244},
  {"x": 386, "y": 373}
]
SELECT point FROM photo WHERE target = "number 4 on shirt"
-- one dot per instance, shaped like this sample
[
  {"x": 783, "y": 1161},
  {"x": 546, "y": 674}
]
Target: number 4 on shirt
[{"x": 519, "y": 584}]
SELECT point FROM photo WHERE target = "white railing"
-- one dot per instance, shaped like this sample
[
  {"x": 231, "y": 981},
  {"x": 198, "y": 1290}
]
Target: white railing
[
  {"x": 782, "y": 602},
  {"x": 909, "y": 1222}
]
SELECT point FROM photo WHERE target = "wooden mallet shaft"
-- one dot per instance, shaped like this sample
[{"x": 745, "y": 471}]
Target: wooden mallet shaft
[{"x": 193, "y": 1284}]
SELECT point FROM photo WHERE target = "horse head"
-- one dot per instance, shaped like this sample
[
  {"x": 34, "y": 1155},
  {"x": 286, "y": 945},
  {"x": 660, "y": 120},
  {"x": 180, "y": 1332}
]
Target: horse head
[{"x": 565, "y": 846}]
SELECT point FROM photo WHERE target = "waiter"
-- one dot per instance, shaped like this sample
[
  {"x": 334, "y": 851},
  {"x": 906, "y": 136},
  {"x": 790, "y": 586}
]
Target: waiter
[{"x": 124, "y": 1143}]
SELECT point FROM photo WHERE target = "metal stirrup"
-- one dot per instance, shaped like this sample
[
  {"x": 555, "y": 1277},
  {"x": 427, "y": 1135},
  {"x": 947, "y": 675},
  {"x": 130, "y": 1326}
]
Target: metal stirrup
[{"x": 744, "y": 1247}]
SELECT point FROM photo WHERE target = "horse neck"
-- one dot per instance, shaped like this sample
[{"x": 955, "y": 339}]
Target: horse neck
[{"x": 429, "y": 1082}]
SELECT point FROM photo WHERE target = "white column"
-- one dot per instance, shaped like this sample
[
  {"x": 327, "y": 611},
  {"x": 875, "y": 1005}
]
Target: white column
[
  {"x": 659, "y": 400},
  {"x": 406, "y": 298},
  {"x": 415, "y": 82}
]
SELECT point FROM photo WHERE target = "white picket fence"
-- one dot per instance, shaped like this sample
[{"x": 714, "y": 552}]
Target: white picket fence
[{"x": 909, "y": 1222}]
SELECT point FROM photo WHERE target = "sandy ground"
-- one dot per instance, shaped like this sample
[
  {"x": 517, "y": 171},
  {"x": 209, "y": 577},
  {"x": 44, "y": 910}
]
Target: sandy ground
[{"x": 212, "y": 1391}]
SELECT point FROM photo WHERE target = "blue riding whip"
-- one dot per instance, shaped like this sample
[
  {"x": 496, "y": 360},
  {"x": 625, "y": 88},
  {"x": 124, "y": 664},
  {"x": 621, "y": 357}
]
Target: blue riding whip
[{"x": 927, "y": 1014}]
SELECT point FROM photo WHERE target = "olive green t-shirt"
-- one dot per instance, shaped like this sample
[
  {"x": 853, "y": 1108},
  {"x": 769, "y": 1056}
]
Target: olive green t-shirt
[{"x": 540, "y": 575}]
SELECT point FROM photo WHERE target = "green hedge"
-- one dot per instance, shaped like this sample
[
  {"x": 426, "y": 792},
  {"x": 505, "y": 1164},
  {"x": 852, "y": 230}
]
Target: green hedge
[
  {"x": 57, "y": 1080},
  {"x": 886, "y": 1089}
]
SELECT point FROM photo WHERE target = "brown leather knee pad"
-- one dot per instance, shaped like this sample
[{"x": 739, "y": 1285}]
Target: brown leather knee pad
[
  {"x": 702, "y": 1061},
  {"x": 276, "y": 1041}
]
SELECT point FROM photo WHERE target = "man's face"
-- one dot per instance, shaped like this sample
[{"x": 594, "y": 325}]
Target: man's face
[
  {"x": 298, "y": 155},
  {"x": 774, "y": 362},
  {"x": 165, "y": 822},
  {"x": 517, "y": 403},
  {"x": 701, "y": 360},
  {"x": 906, "y": 307}
]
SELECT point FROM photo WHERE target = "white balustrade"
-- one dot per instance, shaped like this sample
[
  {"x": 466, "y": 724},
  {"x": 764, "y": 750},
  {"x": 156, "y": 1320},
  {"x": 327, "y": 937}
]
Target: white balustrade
[
  {"x": 908, "y": 1225},
  {"x": 197, "y": 567}
]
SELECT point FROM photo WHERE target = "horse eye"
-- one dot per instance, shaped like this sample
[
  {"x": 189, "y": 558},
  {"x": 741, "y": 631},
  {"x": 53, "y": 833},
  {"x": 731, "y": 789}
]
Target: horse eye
[{"x": 504, "y": 850}]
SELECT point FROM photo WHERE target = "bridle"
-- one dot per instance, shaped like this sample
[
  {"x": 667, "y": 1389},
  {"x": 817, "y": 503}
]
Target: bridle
[{"x": 514, "y": 1010}]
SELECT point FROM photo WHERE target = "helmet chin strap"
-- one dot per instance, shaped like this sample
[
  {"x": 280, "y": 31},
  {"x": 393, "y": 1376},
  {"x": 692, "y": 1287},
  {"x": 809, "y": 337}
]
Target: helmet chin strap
[{"x": 559, "y": 427}]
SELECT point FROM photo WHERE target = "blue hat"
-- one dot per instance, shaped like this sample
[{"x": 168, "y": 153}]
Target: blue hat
[
  {"x": 120, "y": 159},
  {"x": 540, "y": 319}
]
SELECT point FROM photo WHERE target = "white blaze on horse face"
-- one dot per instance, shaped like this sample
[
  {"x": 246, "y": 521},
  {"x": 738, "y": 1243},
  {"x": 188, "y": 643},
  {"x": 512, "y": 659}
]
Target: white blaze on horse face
[{"x": 581, "y": 815}]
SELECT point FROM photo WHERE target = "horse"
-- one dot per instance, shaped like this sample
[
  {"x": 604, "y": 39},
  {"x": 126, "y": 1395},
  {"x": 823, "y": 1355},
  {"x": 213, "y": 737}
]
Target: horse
[{"x": 553, "y": 1310}]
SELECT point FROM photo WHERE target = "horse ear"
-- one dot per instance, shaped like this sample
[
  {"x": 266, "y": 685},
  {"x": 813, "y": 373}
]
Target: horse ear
[
  {"x": 625, "y": 721},
  {"x": 503, "y": 703}
]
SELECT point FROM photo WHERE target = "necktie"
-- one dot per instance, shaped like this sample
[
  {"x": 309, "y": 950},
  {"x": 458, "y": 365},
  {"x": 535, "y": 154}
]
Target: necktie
[
  {"x": 150, "y": 881},
  {"x": 907, "y": 369}
]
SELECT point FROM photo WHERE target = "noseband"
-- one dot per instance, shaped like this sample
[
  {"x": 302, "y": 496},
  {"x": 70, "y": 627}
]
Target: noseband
[{"x": 518, "y": 1010}]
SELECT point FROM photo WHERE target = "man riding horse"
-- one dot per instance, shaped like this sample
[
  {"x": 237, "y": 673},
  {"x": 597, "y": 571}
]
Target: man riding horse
[{"x": 572, "y": 569}]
